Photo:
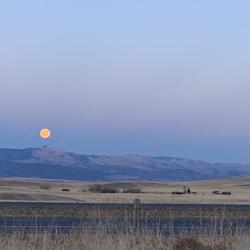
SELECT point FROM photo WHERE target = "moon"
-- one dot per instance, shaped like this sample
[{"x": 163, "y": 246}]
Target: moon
[{"x": 45, "y": 133}]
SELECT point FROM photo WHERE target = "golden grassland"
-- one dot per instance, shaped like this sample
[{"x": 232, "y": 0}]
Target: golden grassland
[{"x": 152, "y": 192}]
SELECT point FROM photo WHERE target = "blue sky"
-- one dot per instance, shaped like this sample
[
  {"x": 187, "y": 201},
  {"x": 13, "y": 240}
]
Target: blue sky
[{"x": 127, "y": 77}]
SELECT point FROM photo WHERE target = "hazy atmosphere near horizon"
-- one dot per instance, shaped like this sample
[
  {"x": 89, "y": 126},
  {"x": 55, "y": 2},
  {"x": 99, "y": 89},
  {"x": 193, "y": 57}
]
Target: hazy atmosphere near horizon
[{"x": 127, "y": 77}]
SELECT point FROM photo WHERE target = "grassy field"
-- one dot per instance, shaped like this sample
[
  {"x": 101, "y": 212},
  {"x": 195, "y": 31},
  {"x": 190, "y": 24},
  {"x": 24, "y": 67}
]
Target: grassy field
[{"x": 151, "y": 192}]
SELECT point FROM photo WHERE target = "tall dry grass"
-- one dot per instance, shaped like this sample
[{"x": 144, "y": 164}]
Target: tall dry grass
[{"x": 101, "y": 239}]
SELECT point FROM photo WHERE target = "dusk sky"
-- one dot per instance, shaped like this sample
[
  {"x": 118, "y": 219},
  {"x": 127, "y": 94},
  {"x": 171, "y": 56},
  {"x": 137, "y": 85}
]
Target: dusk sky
[{"x": 127, "y": 77}]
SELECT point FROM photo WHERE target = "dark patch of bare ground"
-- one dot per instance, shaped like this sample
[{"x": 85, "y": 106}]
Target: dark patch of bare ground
[
  {"x": 32, "y": 197},
  {"x": 192, "y": 243}
]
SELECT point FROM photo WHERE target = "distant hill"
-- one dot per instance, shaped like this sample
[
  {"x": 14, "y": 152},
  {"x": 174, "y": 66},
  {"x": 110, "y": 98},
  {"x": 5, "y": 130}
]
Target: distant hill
[{"x": 51, "y": 163}]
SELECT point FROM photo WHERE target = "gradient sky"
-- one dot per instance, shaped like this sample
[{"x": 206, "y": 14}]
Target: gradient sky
[{"x": 127, "y": 77}]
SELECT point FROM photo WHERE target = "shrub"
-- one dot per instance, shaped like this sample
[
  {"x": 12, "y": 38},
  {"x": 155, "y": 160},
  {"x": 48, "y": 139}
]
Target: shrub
[
  {"x": 132, "y": 190},
  {"x": 44, "y": 187},
  {"x": 190, "y": 243},
  {"x": 97, "y": 188},
  {"x": 65, "y": 190},
  {"x": 226, "y": 193}
]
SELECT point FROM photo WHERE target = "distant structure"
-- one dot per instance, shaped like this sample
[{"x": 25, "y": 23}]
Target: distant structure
[
  {"x": 65, "y": 190},
  {"x": 186, "y": 190}
]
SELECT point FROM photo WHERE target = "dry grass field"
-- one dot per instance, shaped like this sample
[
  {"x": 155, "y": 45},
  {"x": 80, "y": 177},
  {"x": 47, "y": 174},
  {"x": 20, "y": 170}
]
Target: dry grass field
[
  {"x": 144, "y": 240},
  {"x": 151, "y": 192}
]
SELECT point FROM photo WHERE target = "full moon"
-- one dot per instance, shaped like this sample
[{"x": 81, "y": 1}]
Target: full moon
[{"x": 45, "y": 133}]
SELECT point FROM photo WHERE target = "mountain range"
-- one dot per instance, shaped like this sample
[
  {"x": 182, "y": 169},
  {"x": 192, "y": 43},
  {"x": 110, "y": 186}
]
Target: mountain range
[{"x": 51, "y": 163}]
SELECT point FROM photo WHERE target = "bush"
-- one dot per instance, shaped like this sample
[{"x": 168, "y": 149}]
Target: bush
[
  {"x": 97, "y": 188},
  {"x": 190, "y": 243},
  {"x": 193, "y": 243},
  {"x": 65, "y": 190},
  {"x": 132, "y": 190},
  {"x": 44, "y": 187}
]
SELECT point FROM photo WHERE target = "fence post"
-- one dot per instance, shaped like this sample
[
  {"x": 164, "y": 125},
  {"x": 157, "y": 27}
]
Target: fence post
[{"x": 137, "y": 203}]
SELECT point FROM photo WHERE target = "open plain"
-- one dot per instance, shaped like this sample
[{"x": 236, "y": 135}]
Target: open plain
[{"x": 150, "y": 192}]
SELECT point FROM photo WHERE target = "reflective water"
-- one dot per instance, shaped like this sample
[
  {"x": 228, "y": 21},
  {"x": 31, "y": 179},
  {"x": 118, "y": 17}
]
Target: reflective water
[{"x": 168, "y": 225}]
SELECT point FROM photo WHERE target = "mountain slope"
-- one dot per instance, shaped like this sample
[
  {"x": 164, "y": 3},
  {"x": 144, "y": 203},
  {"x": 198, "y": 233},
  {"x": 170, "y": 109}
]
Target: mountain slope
[{"x": 50, "y": 163}]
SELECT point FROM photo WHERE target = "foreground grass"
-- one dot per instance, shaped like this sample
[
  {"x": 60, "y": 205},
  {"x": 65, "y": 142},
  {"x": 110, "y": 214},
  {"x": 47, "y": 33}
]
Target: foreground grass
[{"x": 100, "y": 239}]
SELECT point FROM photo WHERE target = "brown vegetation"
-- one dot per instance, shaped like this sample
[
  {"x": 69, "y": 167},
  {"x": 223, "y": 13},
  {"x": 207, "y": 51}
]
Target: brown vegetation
[
  {"x": 132, "y": 191},
  {"x": 194, "y": 243},
  {"x": 102, "y": 239},
  {"x": 65, "y": 190},
  {"x": 98, "y": 188},
  {"x": 226, "y": 193}
]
